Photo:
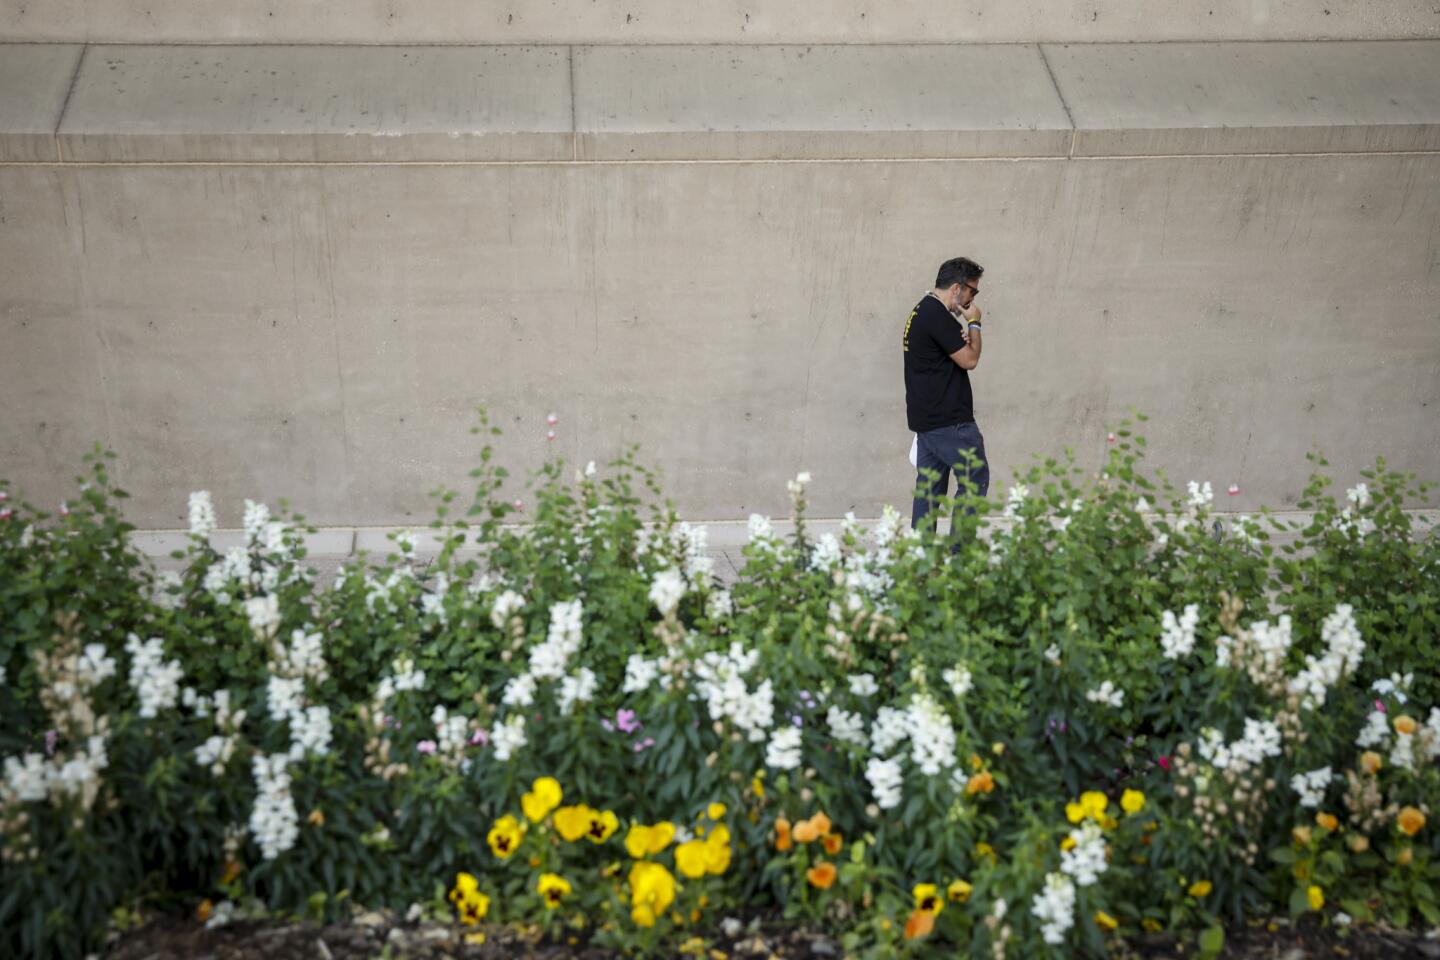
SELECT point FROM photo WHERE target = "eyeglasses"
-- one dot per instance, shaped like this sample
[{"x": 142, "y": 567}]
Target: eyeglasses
[{"x": 974, "y": 290}]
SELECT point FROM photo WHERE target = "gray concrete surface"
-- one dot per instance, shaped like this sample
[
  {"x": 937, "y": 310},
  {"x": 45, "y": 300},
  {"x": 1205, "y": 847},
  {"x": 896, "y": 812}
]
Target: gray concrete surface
[
  {"x": 323, "y": 333},
  {"x": 779, "y": 102},
  {"x": 297, "y": 104},
  {"x": 725, "y": 21},
  {"x": 289, "y": 103},
  {"x": 34, "y": 81},
  {"x": 1180, "y": 98}
]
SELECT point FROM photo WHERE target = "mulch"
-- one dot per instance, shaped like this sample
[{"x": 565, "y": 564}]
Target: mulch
[{"x": 377, "y": 934}]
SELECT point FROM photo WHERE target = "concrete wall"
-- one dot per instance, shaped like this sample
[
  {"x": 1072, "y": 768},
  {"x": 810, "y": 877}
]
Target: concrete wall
[
  {"x": 320, "y": 325},
  {"x": 716, "y": 21}
]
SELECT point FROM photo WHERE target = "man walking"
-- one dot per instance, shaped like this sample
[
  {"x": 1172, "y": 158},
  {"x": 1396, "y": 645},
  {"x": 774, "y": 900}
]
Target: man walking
[{"x": 939, "y": 353}]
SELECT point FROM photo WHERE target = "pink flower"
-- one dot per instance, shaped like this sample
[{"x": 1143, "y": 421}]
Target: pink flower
[
  {"x": 1380, "y": 705},
  {"x": 1234, "y": 490},
  {"x": 550, "y": 435},
  {"x": 645, "y": 744},
  {"x": 481, "y": 737},
  {"x": 4, "y": 513},
  {"x": 64, "y": 509},
  {"x": 519, "y": 504},
  {"x": 626, "y": 721},
  {"x": 426, "y": 746},
  {"x": 552, "y": 419},
  {"x": 1110, "y": 438},
  {"x": 1164, "y": 762}
]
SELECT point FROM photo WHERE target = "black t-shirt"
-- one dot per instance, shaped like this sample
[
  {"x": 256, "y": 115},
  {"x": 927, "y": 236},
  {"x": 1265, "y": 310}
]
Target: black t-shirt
[{"x": 937, "y": 391}]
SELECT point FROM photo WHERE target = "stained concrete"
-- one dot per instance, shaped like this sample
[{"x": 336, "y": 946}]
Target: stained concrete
[
  {"x": 297, "y": 103},
  {"x": 780, "y": 102},
  {"x": 722, "y": 21},
  {"x": 34, "y": 82},
  {"x": 1151, "y": 99}
]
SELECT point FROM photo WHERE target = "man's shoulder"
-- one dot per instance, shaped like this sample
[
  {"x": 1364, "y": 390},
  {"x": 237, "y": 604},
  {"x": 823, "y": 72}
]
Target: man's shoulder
[{"x": 930, "y": 309}]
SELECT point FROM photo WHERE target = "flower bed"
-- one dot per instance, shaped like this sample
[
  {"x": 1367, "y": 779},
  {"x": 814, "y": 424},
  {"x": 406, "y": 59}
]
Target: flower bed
[{"x": 1098, "y": 718}]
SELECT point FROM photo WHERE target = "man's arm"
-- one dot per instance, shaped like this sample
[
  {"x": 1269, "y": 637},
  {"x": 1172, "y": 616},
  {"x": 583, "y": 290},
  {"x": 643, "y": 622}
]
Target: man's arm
[{"x": 968, "y": 356}]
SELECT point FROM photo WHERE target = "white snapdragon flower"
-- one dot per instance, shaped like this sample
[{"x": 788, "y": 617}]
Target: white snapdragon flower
[
  {"x": 1085, "y": 861},
  {"x": 886, "y": 780},
  {"x": 1177, "y": 636},
  {"x": 1054, "y": 907},
  {"x": 640, "y": 673},
  {"x": 863, "y": 685},
  {"x": 202, "y": 514},
  {"x": 1344, "y": 649},
  {"x": 1375, "y": 733},
  {"x": 506, "y": 606},
  {"x": 1261, "y": 739},
  {"x": 666, "y": 591},
  {"x": 95, "y": 667},
  {"x": 284, "y": 697},
  {"x": 167, "y": 590},
  {"x": 1015, "y": 500},
  {"x": 1358, "y": 494},
  {"x": 154, "y": 680},
  {"x": 1142, "y": 505},
  {"x": 27, "y": 777},
  {"x": 719, "y": 605},
  {"x": 576, "y": 688},
  {"x": 889, "y": 729},
  {"x": 762, "y": 533},
  {"x": 303, "y": 656},
  {"x": 1108, "y": 694},
  {"x": 406, "y": 677},
  {"x": 1311, "y": 786},
  {"x": 519, "y": 691},
  {"x": 1052, "y": 654},
  {"x": 932, "y": 735},
  {"x": 797, "y": 486},
  {"x": 846, "y": 727},
  {"x": 273, "y": 820},
  {"x": 1201, "y": 495},
  {"x": 1402, "y": 754},
  {"x": 783, "y": 750},
  {"x": 405, "y": 542},
  {"x": 550, "y": 659},
  {"x": 960, "y": 681},
  {"x": 215, "y": 753},
  {"x": 508, "y": 737},
  {"x": 264, "y": 615},
  {"x": 257, "y": 517},
  {"x": 720, "y": 681},
  {"x": 310, "y": 732},
  {"x": 826, "y": 553},
  {"x": 887, "y": 531}
]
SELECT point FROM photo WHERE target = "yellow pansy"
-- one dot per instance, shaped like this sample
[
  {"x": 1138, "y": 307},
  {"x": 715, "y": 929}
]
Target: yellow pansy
[
  {"x": 927, "y": 899},
  {"x": 717, "y": 850},
  {"x": 1410, "y": 821},
  {"x": 757, "y": 784},
  {"x": 652, "y": 890},
  {"x": 958, "y": 891},
  {"x": 1132, "y": 801},
  {"x": 985, "y": 850},
  {"x": 505, "y": 836},
  {"x": 1104, "y": 921},
  {"x": 473, "y": 907},
  {"x": 1151, "y": 925},
  {"x": 1200, "y": 888},
  {"x": 603, "y": 825},
  {"x": 690, "y": 859},
  {"x": 545, "y": 795},
  {"x": 642, "y": 841},
  {"x": 1074, "y": 812},
  {"x": 1329, "y": 821},
  {"x": 552, "y": 888},
  {"x": 572, "y": 823},
  {"x": 1067, "y": 844},
  {"x": 1094, "y": 803},
  {"x": 1316, "y": 897},
  {"x": 715, "y": 811}
]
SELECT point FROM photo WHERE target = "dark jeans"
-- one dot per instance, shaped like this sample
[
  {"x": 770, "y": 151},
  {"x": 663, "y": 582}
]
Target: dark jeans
[{"x": 960, "y": 448}]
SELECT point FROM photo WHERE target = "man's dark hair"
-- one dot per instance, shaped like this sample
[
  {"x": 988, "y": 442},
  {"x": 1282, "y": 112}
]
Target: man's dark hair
[{"x": 959, "y": 270}]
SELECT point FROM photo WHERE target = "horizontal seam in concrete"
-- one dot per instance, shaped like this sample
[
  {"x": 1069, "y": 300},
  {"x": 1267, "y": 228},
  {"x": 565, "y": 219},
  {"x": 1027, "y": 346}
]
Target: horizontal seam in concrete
[
  {"x": 901, "y": 42},
  {"x": 658, "y": 161}
]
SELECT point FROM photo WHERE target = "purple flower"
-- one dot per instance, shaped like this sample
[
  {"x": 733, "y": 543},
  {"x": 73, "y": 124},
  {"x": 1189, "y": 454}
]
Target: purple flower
[
  {"x": 426, "y": 746},
  {"x": 797, "y": 720},
  {"x": 646, "y": 744},
  {"x": 609, "y": 727},
  {"x": 52, "y": 737},
  {"x": 626, "y": 721},
  {"x": 1380, "y": 705},
  {"x": 481, "y": 736}
]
